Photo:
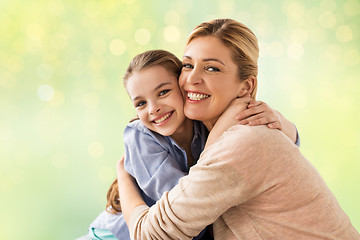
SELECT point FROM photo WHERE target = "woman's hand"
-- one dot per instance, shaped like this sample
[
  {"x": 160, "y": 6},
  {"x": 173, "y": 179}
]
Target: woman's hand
[{"x": 260, "y": 113}]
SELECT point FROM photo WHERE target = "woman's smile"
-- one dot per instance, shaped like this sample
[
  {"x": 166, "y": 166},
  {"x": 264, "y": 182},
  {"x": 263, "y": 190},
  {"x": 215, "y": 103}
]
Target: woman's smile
[{"x": 196, "y": 96}]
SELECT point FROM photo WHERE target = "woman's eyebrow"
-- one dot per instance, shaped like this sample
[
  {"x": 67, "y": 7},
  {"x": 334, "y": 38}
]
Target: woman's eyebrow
[{"x": 207, "y": 59}]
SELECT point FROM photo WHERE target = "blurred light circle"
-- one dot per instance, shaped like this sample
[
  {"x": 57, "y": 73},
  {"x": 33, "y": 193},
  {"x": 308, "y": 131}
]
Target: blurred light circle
[
  {"x": 327, "y": 20},
  {"x": 142, "y": 36},
  {"x": 96, "y": 149},
  {"x": 344, "y": 34},
  {"x": 117, "y": 47},
  {"x": 295, "y": 51},
  {"x": 171, "y": 34},
  {"x": 45, "y": 92}
]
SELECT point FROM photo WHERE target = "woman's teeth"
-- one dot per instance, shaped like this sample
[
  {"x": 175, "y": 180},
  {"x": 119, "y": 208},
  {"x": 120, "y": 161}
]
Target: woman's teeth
[
  {"x": 157, "y": 121},
  {"x": 197, "y": 96}
]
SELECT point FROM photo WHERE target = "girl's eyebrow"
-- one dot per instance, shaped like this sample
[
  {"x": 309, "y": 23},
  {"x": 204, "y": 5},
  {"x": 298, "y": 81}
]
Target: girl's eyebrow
[
  {"x": 156, "y": 88},
  {"x": 207, "y": 59}
]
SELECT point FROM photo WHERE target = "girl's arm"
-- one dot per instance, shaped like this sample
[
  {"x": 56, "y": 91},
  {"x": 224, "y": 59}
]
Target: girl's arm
[
  {"x": 130, "y": 197},
  {"x": 247, "y": 111},
  {"x": 260, "y": 113}
]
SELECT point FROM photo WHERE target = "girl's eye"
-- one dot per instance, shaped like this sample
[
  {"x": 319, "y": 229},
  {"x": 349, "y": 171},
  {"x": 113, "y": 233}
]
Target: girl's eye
[
  {"x": 187, "y": 65},
  {"x": 213, "y": 69},
  {"x": 140, "y": 104},
  {"x": 163, "y": 92}
]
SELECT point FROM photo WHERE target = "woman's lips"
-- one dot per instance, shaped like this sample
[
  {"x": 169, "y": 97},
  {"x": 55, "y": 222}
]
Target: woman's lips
[{"x": 196, "y": 96}]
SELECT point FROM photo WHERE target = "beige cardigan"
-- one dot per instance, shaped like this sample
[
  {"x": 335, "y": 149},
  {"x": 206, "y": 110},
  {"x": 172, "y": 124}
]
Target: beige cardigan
[{"x": 253, "y": 183}]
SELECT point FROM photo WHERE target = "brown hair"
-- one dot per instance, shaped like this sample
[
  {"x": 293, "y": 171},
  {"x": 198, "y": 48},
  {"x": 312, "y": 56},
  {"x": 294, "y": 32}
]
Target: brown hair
[
  {"x": 140, "y": 62},
  {"x": 239, "y": 38}
]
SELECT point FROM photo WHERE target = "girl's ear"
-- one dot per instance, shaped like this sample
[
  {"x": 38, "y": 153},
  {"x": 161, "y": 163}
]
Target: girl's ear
[{"x": 247, "y": 86}]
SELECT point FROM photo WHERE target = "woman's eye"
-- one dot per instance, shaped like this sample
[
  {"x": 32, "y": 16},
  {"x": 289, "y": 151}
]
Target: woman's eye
[
  {"x": 186, "y": 65},
  {"x": 163, "y": 92},
  {"x": 141, "y": 103},
  {"x": 213, "y": 69}
]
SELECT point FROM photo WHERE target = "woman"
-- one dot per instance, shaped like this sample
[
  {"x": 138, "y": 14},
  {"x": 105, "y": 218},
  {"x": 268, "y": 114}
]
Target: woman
[{"x": 252, "y": 182}]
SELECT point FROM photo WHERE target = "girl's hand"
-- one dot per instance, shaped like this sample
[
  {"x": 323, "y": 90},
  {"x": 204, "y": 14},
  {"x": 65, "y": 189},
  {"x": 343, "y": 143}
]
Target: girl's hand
[
  {"x": 120, "y": 169},
  {"x": 259, "y": 113},
  {"x": 130, "y": 197}
]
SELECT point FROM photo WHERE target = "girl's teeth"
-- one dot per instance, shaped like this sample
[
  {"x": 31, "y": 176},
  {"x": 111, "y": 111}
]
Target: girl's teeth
[
  {"x": 197, "y": 96},
  {"x": 162, "y": 118}
]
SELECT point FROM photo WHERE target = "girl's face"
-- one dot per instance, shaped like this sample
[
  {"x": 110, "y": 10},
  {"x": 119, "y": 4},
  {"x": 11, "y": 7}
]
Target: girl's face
[
  {"x": 157, "y": 99},
  {"x": 209, "y": 79}
]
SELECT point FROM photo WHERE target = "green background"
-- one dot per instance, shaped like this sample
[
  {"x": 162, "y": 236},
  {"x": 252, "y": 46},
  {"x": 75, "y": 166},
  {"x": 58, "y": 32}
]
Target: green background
[{"x": 63, "y": 107}]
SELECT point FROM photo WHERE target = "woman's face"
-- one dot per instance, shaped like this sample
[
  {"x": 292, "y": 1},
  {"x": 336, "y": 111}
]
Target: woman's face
[
  {"x": 157, "y": 99},
  {"x": 209, "y": 79}
]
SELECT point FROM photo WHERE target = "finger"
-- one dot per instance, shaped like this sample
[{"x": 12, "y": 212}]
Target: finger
[
  {"x": 274, "y": 125},
  {"x": 260, "y": 119},
  {"x": 248, "y": 112},
  {"x": 256, "y": 119},
  {"x": 255, "y": 103}
]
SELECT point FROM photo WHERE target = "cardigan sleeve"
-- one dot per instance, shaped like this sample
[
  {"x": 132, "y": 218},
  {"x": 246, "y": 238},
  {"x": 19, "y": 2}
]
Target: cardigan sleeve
[{"x": 216, "y": 183}]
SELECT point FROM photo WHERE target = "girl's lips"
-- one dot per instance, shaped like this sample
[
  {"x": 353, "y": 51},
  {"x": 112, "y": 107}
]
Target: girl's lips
[
  {"x": 163, "y": 119},
  {"x": 196, "y": 96}
]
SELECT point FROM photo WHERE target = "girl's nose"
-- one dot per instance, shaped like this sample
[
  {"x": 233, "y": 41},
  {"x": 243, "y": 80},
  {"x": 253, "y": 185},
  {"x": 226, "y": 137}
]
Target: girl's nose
[{"x": 154, "y": 108}]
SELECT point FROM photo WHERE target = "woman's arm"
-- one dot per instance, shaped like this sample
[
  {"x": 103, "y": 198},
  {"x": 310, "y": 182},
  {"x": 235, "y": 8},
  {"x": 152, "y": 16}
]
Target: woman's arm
[{"x": 260, "y": 113}]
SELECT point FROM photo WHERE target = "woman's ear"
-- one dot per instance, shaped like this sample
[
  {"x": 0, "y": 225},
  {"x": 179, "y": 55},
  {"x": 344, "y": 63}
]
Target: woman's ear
[{"x": 247, "y": 86}]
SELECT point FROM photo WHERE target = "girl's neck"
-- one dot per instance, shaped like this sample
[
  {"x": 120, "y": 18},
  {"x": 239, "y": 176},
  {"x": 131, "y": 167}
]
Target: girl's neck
[
  {"x": 209, "y": 124},
  {"x": 184, "y": 134}
]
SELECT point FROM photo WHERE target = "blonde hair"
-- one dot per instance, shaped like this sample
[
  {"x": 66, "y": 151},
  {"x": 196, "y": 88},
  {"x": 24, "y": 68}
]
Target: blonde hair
[
  {"x": 241, "y": 41},
  {"x": 140, "y": 62}
]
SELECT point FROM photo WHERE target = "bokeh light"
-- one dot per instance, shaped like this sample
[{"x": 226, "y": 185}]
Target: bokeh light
[{"x": 63, "y": 107}]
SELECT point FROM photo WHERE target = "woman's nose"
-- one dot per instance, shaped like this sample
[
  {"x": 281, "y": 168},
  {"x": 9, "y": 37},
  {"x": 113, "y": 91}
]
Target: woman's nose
[{"x": 194, "y": 77}]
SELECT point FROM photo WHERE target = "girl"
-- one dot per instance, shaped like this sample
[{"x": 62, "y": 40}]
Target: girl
[{"x": 163, "y": 144}]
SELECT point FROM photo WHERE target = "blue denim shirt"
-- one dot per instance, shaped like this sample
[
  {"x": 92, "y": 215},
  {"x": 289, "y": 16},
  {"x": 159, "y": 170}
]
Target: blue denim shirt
[{"x": 156, "y": 162}]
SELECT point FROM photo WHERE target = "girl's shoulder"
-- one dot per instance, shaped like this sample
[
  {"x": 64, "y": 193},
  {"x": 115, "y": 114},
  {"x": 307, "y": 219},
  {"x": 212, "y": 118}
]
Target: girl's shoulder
[{"x": 136, "y": 132}]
